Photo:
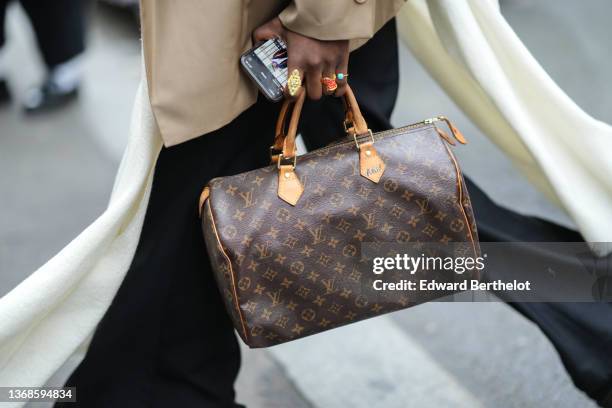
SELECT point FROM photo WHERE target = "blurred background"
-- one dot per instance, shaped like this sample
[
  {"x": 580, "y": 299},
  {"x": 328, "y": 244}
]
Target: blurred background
[{"x": 57, "y": 169}]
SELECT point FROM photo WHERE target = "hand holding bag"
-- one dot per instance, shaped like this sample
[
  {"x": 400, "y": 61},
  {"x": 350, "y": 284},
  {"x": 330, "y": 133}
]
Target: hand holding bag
[{"x": 285, "y": 240}]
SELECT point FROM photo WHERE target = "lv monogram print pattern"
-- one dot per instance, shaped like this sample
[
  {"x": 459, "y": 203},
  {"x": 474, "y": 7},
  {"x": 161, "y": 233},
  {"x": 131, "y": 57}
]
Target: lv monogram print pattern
[{"x": 287, "y": 272}]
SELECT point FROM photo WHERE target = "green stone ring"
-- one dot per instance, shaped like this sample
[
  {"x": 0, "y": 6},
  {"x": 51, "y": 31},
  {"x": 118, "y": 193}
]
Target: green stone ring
[{"x": 340, "y": 76}]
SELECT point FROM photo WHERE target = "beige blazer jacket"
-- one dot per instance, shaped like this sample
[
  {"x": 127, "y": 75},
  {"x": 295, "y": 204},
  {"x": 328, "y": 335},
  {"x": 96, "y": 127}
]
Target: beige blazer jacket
[{"x": 192, "y": 50}]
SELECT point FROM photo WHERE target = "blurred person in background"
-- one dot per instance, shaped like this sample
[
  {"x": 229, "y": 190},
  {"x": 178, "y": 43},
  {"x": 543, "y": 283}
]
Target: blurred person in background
[{"x": 59, "y": 27}]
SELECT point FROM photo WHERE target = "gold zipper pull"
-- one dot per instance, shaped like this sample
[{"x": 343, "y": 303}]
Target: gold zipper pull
[
  {"x": 445, "y": 136},
  {"x": 453, "y": 129},
  {"x": 456, "y": 133}
]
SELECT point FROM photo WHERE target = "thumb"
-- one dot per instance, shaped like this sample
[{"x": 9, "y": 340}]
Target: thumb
[{"x": 263, "y": 33}]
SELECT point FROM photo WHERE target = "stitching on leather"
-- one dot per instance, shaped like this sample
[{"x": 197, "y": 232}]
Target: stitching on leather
[
  {"x": 229, "y": 262},
  {"x": 460, "y": 194}
]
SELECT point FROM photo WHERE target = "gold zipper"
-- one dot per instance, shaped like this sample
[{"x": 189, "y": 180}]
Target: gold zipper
[
  {"x": 429, "y": 121},
  {"x": 383, "y": 133}
]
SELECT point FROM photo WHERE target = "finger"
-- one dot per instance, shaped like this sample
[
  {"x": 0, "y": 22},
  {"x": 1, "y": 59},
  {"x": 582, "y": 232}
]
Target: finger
[
  {"x": 272, "y": 29},
  {"x": 328, "y": 81},
  {"x": 263, "y": 33},
  {"x": 313, "y": 83},
  {"x": 294, "y": 81},
  {"x": 342, "y": 69}
]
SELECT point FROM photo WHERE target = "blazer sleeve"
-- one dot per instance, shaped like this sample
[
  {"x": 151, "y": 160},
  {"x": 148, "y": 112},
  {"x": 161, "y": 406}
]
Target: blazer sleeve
[{"x": 338, "y": 19}]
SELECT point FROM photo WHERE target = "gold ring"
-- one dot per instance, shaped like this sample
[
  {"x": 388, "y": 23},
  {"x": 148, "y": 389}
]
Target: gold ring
[
  {"x": 340, "y": 76},
  {"x": 329, "y": 84},
  {"x": 294, "y": 82}
]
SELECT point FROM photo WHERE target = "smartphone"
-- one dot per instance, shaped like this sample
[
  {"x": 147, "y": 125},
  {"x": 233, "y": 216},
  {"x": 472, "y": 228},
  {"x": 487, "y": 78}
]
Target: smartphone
[{"x": 266, "y": 65}]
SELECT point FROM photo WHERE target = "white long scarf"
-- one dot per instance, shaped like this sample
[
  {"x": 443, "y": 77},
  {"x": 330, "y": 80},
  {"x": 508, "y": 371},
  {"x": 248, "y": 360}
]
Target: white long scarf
[
  {"x": 470, "y": 50},
  {"x": 48, "y": 316}
]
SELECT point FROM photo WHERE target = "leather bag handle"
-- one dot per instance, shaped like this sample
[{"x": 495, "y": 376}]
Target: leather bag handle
[
  {"x": 290, "y": 187},
  {"x": 279, "y": 134},
  {"x": 353, "y": 123}
]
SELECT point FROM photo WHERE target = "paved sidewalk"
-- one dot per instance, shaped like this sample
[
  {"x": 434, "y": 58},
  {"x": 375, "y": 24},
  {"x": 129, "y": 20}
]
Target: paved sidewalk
[{"x": 57, "y": 172}]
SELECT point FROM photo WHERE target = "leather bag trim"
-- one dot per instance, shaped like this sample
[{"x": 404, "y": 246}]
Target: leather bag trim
[
  {"x": 232, "y": 274},
  {"x": 460, "y": 195},
  {"x": 203, "y": 197}
]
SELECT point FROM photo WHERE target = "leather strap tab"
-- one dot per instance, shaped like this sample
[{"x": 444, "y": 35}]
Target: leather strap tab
[
  {"x": 203, "y": 197},
  {"x": 290, "y": 187},
  {"x": 371, "y": 166},
  {"x": 445, "y": 136},
  {"x": 457, "y": 133}
]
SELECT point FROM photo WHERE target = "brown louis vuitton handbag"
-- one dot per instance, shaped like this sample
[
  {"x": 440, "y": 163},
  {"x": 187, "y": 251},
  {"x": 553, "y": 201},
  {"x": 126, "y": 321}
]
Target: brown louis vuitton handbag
[{"x": 285, "y": 240}]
